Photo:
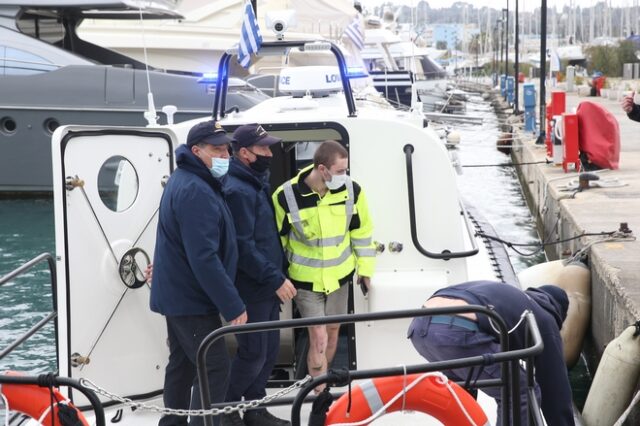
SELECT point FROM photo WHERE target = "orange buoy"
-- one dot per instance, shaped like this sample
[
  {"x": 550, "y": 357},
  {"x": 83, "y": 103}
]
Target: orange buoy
[
  {"x": 433, "y": 395},
  {"x": 35, "y": 401}
]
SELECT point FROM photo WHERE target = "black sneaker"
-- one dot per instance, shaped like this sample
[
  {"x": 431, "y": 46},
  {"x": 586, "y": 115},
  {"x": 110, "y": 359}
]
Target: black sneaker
[
  {"x": 232, "y": 419},
  {"x": 263, "y": 418}
]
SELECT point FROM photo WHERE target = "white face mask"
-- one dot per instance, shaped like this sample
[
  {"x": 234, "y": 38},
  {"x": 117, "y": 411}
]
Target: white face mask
[{"x": 336, "y": 181}]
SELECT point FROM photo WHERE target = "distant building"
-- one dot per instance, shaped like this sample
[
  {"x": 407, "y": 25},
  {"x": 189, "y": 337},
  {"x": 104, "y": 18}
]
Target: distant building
[{"x": 450, "y": 35}]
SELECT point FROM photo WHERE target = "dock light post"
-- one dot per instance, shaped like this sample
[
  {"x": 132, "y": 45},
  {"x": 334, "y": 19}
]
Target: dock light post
[
  {"x": 543, "y": 71},
  {"x": 516, "y": 70},
  {"x": 497, "y": 50},
  {"x": 506, "y": 40},
  {"x": 502, "y": 39}
]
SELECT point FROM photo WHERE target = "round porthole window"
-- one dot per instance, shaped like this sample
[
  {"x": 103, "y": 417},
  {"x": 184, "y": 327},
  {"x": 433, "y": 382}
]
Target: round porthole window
[
  {"x": 50, "y": 125},
  {"x": 117, "y": 183},
  {"x": 8, "y": 125}
]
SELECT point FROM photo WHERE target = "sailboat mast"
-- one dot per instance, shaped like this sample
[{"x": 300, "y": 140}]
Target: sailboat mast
[{"x": 591, "y": 24}]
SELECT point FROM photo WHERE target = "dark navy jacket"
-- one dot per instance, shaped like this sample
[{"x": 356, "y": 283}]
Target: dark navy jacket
[
  {"x": 196, "y": 254},
  {"x": 635, "y": 113},
  {"x": 509, "y": 302},
  {"x": 261, "y": 259}
]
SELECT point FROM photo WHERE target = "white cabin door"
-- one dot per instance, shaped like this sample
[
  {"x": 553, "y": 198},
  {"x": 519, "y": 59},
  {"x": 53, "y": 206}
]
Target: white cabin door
[{"x": 108, "y": 184}]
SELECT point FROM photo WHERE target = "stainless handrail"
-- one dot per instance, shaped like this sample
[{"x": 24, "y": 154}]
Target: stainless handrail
[
  {"x": 445, "y": 254},
  {"x": 46, "y": 380},
  {"x": 504, "y": 355},
  {"x": 51, "y": 316}
]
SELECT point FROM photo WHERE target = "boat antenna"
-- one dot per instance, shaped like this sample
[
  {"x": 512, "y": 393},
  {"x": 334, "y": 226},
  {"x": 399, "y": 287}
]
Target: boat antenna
[{"x": 150, "y": 114}]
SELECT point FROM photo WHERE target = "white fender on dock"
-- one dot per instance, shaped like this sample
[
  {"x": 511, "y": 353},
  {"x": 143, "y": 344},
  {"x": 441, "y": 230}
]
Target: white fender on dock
[
  {"x": 575, "y": 279},
  {"x": 615, "y": 380}
]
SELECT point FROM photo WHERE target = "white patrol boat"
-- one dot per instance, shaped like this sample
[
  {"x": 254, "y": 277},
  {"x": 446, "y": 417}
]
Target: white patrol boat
[{"x": 108, "y": 182}]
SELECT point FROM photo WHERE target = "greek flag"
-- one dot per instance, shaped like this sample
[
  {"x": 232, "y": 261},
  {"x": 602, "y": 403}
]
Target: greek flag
[
  {"x": 250, "y": 37},
  {"x": 355, "y": 33}
]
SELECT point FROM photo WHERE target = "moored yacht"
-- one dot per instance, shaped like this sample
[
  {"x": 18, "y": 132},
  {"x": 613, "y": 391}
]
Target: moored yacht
[
  {"x": 399, "y": 68},
  {"x": 50, "y": 77}
]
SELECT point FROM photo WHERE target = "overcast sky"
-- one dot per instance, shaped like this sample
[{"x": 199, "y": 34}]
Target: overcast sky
[{"x": 524, "y": 4}]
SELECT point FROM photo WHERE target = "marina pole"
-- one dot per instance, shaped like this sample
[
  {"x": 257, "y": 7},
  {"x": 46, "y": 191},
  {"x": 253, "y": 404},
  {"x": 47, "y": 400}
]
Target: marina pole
[
  {"x": 516, "y": 70},
  {"x": 502, "y": 33},
  {"x": 496, "y": 50},
  {"x": 543, "y": 71},
  {"x": 506, "y": 40}
]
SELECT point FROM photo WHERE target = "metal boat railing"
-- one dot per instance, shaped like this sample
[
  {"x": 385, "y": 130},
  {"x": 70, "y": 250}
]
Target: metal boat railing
[
  {"x": 280, "y": 48},
  {"x": 51, "y": 316},
  {"x": 45, "y": 380},
  {"x": 446, "y": 254},
  {"x": 509, "y": 360}
]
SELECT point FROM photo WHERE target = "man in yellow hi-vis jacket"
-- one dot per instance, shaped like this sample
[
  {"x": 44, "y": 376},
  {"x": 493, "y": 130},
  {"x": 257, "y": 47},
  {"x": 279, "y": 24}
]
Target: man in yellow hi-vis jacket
[{"x": 326, "y": 231}]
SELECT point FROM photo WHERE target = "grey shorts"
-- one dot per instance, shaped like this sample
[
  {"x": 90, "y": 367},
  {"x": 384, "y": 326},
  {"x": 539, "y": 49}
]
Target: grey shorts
[{"x": 316, "y": 304}]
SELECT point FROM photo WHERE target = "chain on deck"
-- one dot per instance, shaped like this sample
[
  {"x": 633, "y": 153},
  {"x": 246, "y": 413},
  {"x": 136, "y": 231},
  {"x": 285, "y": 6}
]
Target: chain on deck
[{"x": 127, "y": 402}]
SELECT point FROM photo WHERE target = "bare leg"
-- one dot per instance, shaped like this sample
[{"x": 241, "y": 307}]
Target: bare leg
[
  {"x": 317, "y": 356},
  {"x": 332, "y": 341}
]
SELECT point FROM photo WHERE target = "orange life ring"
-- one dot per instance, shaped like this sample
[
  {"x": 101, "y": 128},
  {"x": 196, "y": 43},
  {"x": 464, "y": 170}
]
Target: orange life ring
[
  {"x": 430, "y": 396},
  {"x": 35, "y": 401}
]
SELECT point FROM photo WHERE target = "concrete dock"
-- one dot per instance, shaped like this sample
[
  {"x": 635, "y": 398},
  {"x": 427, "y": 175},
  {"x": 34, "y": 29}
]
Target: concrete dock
[{"x": 615, "y": 266}]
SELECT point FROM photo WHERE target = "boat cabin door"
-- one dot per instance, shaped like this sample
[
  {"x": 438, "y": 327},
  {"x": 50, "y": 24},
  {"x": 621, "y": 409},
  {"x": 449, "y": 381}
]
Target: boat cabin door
[{"x": 107, "y": 188}]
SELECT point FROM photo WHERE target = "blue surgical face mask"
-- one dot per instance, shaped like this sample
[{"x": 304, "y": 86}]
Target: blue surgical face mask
[{"x": 219, "y": 166}]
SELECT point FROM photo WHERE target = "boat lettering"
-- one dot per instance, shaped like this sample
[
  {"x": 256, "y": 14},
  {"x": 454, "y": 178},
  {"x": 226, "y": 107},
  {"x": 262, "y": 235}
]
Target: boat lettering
[
  {"x": 331, "y": 78},
  {"x": 285, "y": 79}
]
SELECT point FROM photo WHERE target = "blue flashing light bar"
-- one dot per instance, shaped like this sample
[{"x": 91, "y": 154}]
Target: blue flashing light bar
[
  {"x": 208, "y": 78},
  {"x": 356, "y": 72}
]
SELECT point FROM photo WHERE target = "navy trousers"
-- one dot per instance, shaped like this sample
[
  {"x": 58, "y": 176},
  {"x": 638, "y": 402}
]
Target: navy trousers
[
  {"x": 181, "y": 384},
  {"x": 440, "y": 342},
  {"x": 257, "y": 354}
]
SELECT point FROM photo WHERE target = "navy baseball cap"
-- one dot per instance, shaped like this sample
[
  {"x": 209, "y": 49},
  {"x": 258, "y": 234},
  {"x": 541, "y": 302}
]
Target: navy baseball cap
[
  {"x": 210, "y": 132},
  {"x": 252, "y": 134}
]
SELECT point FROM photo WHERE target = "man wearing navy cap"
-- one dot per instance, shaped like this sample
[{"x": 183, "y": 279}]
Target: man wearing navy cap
[
  {"x": 195, "y": 264},
  {"x": 445, "y": 337},
  {"x": 260, "y": 278}
]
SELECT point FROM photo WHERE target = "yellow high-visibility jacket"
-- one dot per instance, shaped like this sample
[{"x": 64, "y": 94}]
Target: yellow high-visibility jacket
[{"x": 326, "y": 238}]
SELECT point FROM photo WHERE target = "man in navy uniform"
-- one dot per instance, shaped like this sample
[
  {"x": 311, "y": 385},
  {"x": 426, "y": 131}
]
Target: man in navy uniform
[
  {"x": 260, "y": 279},
  {"x": 445, "y": 337},
  {"x": 194, "y": 269}
]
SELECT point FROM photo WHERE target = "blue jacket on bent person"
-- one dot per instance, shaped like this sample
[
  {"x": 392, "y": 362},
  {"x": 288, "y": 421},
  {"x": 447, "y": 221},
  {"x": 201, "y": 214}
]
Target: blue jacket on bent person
[
  {"x": 196, "y": 255},
  {"x": 261, "y": 259},
  {"x": 509, "y": 302}
]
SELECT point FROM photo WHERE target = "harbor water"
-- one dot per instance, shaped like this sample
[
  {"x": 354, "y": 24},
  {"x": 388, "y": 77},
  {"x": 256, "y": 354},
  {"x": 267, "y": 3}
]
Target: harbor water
[{"x": 27, "y": 229}]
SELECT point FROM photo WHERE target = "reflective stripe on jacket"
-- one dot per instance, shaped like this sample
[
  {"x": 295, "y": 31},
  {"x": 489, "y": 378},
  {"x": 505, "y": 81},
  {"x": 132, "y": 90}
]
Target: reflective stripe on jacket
[{"x": 324, "y": 238}]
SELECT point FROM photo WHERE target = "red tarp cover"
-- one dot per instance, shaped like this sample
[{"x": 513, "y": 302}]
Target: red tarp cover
[{"x": 599, "y": 135}]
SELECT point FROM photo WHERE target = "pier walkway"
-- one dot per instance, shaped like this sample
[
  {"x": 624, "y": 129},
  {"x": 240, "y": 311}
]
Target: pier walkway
[{"x": 561, "y": 214}]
